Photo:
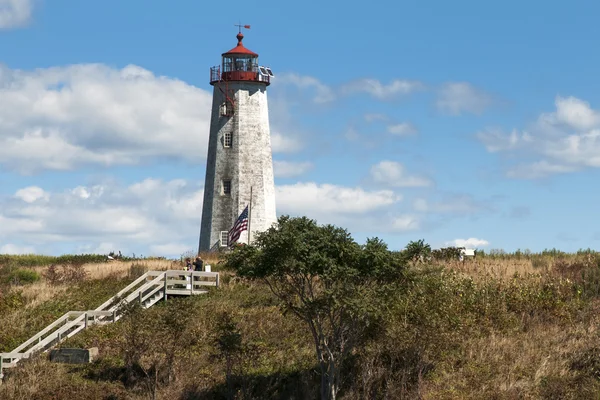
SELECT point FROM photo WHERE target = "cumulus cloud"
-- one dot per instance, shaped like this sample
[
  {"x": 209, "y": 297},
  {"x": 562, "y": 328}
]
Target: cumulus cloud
[
  {"x": 162, "y": 217},
  {"x": 405, "y": 222},
  {"x": 285, "y": 144},
  {"x": 496, "y": 140},
  {"x": 10, "y": 248},
  {"x": 393, "y": 174},
  {"x": 456, "y": 98},
  {"x": 565, "y": 140},
  {"x": 66, "y": 117},
  {"x": 289, "y": 169},
  {"x": 353, "y": 208},
  {"x": 402, "y": 129},
  {"x": 371, "y": 117},
  {"x": 380, "y": 90},
  {"x": 169, "y": 248},
  {"x": 327, "y": 198},
  {"x": 468, "y": 243},
  {"x": 540, "y": 169},
  {"x": 147, "y": 214},
  {"x": 323, "y": 93},
  {"x": 455, "y": 204},
  {"x": 572, "y": 112},
  {"x": 14, "y": 13},
  {"x": 31, "y": 194}
]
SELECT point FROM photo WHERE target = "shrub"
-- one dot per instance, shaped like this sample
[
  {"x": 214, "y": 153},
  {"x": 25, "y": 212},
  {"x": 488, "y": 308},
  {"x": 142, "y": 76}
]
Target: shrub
[
  {"x": 136, "y": 270},
  {"x": 23, "y": 276},
  {"x": 69, "y": 273}
]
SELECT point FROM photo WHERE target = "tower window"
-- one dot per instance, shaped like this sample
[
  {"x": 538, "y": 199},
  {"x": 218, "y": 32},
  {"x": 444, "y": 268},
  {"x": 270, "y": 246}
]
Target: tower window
[
  {"x": 226, "y": 187},
  {"x": 224, "y": 238},
  {"x": 227, "y": 139}
]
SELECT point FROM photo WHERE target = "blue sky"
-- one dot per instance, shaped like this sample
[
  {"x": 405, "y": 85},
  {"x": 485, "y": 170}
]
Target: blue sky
[{"x": 461, "y": 122}]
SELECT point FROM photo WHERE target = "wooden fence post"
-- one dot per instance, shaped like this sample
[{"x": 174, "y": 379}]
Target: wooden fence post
[{"x": 165, "y": 286}]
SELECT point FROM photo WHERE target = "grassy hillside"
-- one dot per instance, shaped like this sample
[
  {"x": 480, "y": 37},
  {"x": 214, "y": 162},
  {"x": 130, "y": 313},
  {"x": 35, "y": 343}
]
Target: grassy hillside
[{"x": 502, "y": 326}]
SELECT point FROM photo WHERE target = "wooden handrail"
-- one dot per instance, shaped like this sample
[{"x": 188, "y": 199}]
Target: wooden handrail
[{"x": 64, "y": 327}]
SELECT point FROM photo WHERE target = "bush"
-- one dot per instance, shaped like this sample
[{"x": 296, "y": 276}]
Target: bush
[
  {"x": 22, "y": 277},
  {"x": 69, "y": 273},
  {"x": 137, "y": 270}
]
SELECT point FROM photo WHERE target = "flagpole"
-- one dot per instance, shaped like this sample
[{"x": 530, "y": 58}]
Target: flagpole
[{"x": 250, "y": 215}]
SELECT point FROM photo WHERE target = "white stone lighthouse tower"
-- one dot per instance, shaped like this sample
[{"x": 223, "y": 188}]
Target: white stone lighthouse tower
[{"x": 239, "y": 166}]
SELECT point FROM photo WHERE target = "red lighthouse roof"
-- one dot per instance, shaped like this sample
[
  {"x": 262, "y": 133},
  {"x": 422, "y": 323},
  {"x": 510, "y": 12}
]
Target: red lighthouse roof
[{"x": 240, "y": 49}]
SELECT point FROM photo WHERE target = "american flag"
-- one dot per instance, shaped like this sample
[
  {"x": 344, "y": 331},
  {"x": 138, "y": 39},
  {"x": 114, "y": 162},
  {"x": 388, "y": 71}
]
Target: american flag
[{"x": 241, "y": 224}]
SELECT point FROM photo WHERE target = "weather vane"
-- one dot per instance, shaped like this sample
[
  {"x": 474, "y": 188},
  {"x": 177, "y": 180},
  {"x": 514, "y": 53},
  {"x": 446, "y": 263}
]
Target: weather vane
[{"x": 240, "y": 26}]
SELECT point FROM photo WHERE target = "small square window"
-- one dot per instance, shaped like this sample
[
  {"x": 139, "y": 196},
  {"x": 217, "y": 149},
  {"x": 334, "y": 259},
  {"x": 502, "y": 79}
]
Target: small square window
[
  {"x": 227, "y": 139},
  {"x": 224, "y": 238},
  {"x": 226, "y": 187}
]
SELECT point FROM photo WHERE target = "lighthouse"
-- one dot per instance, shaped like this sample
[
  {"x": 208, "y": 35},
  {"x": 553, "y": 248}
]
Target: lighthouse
[{"x": 239, "y": 164}]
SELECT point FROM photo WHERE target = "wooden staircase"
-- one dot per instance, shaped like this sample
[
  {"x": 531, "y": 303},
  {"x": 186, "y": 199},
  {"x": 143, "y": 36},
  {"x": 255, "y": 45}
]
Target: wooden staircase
[{"x": 148, "y": 290}]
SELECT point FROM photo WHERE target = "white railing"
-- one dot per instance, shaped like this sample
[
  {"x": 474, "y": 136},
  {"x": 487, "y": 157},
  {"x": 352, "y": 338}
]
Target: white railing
[{"x": 146, "y": 292}]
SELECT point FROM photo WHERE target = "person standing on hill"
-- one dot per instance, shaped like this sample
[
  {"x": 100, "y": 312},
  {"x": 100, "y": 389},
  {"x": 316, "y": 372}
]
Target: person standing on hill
[{"x": 198, "y": 264}]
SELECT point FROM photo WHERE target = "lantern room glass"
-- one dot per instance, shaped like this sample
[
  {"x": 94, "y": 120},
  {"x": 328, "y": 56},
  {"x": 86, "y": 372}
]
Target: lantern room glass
[{"x": 240, "y": 62}]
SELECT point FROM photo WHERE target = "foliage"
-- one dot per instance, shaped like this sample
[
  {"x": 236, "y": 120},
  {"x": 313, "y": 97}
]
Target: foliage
[
  {"x": 444, "y": 330},
  {"x": 66, "y": 273},
  {"x": 417, "y": 250},
  {"x": 323, "y": 277},
  {"x": 447, "y": 253},
  {"x": 136, "y": 270},
  {"x": 20, "y": 276},
  {"x": 11, "y": 300}
]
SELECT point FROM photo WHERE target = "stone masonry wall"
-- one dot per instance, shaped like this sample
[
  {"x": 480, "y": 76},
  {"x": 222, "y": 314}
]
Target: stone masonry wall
[{"x": 247, "y": 163}]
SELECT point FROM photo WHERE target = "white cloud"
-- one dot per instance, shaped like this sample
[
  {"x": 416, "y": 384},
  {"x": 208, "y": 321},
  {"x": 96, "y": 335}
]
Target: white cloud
[
  {"x": 171, "y": 249},
  {"x": 566, "y": 140},
  {"x": 14, "y": 13},
  {"x": 284, "y": 144},
  {"x": 350, "y": 207},
  {"x": 323, "y": 93},
  {"x": 573, "y": 113},
  {"x": 538, "y": 169},
  {"x": 456, "y": 204},
  {"x": 101, "y": 248},
  {"x": 66, "y": 117},
  {"x": 288, "y": 169},
  {"x": 405, "y": 223},
  {"x": 392, "y": 173},
  {"x": 495, "y": 140},
  {"x": 402, "y": 129},
  {"x": 375, "y": 117},
  {"x": 10, "y": 248},
  {"x": 468, "y": 243},
  {"x": 31, "y": 194},
  {"x": 160, "y": 217},
  {"x": 379, "y": 90},
  {"x": 107, "y": 216},
  {"x": 311, "y": 197},
  {"x": 454, "y": 98}
]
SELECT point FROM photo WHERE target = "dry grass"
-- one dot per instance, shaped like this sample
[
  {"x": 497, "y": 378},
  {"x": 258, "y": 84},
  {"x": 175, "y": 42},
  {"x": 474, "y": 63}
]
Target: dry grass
[
  {"x": 503, "y": 268},
  {"x": 496, "y": 268},
  {"x": 515, "y": 366},
  {"x": 530, "y": 358},
  {"x": 121, "y": 268},
  {"x": 41, "y": 292}
]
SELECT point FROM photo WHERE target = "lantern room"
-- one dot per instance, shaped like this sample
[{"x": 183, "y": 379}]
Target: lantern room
[{"x": 240, "y": 64}]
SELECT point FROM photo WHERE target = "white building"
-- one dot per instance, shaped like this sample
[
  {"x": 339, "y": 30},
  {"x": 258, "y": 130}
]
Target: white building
[{"x": 239, "y": 166}]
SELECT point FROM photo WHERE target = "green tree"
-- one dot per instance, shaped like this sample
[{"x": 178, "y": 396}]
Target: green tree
[
  {"x": 322, "y": 276},
  {"x": 417, "y": 251}
]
